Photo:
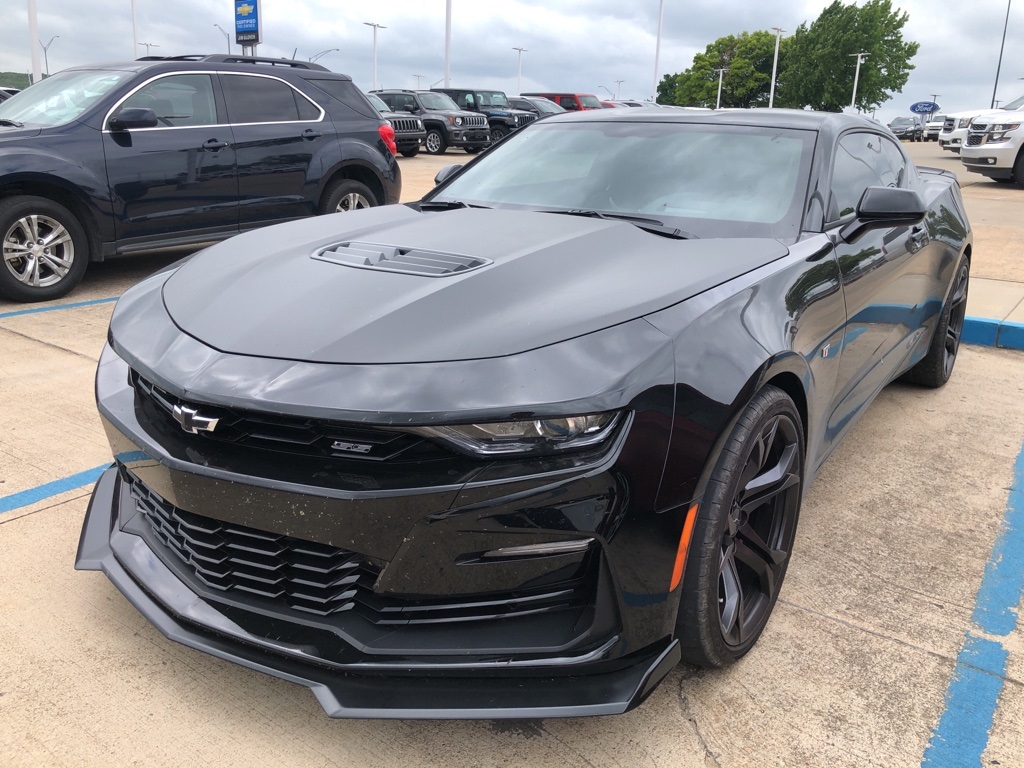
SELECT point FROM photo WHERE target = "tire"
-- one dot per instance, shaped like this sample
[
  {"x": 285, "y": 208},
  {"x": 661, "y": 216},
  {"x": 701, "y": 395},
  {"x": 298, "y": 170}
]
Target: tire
[
  {"x": 472, "y": 150},
  {"x": 935, "y": 368},
  {"x": 410, "y": 152},
  {"x": 497, "y": 134},
  {"x": 435, "y": 143},
  {"x": 45, "y": 249},
  {"x": 743, "y": 536},
  {"x": 347, "y": 195},
  {"x": 1018, "y": 169}
]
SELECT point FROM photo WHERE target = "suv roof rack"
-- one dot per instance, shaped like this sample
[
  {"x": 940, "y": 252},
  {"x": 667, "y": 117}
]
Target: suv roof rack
[{"x": 224, "y": 58}]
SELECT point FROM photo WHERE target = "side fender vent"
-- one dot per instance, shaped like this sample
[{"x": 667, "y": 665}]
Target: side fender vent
[{"x": 409, "y": 261}]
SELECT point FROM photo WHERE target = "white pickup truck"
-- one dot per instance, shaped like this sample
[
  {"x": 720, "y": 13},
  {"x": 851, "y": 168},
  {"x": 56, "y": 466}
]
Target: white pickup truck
[
  {"x": 995, "y": 146},
  {"x": 954, "y": 131}
]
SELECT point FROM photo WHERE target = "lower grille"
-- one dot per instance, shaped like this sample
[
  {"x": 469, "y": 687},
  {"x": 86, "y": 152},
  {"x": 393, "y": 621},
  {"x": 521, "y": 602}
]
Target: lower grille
[
  {"x": 975, "y": 139},
  {"x": 285, "y": 572}
]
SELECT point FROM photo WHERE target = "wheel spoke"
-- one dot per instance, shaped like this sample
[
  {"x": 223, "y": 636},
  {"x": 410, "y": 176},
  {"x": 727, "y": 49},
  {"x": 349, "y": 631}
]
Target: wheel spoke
[
  {"x": 58, "y": 236},
  {"x": 31, "y": 225},
  {"x": 14, "y": 251},
  {"x": 59, "y": 266},
  {"x": 770, "y": 483},
  {"x": 730, "y": 593}
]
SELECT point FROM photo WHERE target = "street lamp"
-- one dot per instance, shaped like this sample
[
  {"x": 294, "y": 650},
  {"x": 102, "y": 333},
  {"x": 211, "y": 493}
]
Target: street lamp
[
  {"x": 375, "y": 28},
  {"x": 324, "y": 53},
  {"x": 720, "y": 72},
  {"x": 618, "y": 87},
  {"x": 1001, "y": 46},
  {"x": 227, "y": 37},
  {"x": 657, "y": 52},
  {"x": 775, "y": 65},
  {"x": 610, "y": 94},
  {"x": 45, "y": 49},
  {"x": 148, "y": 46},
  {"x": 856, "y": 76},
  {"x": 447, "y": 44},
  {"x": 519, "y": 75},
  {"x": 418, "y": 78}
]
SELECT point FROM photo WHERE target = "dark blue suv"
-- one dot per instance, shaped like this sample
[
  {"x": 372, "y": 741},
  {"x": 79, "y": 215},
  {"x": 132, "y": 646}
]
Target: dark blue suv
[{"x": 166, "y": 152}]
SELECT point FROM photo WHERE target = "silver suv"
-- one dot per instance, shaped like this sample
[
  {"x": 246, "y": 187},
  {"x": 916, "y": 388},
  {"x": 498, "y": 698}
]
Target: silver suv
[{"x": 995, "y": 146}]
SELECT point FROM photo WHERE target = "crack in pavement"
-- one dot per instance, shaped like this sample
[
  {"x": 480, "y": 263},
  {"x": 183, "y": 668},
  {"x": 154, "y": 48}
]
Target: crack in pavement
[
  {"x": 710, "y": 757},
  {"x": 50, "y": 344}
]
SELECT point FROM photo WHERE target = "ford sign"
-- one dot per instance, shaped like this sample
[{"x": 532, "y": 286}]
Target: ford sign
[{"x": 924, "y": 107}]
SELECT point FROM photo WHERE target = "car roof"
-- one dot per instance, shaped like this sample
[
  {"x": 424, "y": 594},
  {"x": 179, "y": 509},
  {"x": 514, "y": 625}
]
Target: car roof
[
  {"x": 222, "y": 62},
  {"x": 833, "y": 122}
]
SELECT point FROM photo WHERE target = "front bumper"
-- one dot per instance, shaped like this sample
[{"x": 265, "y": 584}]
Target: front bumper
[
  {"x": 992, "y": 160},
  {"x": 952, "y": 140},
  {"x": 491, "y": 691},
  {"x": 469, "y": 137}
]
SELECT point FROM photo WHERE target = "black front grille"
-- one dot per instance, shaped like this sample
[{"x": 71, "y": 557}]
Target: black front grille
[
  {"x": 522, "y": 120},
  {"x": 404, "y": 125},
  {"x": 975, "y": 139},
  {"x": 307, "y": 576},
  {"x": 949, "y": 125},
  {"x": 291, "y": 434},
  {"x": 317, "y": 578}
]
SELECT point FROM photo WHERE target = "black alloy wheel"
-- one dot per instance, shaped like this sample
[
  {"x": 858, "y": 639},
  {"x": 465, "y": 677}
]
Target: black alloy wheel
[
  {"x": 497, "y": 134},
  {"x": 744, "y": 533},
  {"x": 936, "y": 367}
]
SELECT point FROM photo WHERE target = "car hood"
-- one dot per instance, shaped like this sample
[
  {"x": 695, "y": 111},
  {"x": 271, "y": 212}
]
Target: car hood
[
  {"x": 287, "y": 292},
  {"x": 1002, "y": 116},
  {"x": 12, "y": 133}
]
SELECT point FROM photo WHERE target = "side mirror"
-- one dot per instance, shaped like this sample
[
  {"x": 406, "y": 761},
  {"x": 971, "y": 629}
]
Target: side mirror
[
  {"x": 446, "y": 173},
  {"x": 881, "y": 207},
  {"x": 133, "y": 117},
  {"x": 410, "y": 109}
]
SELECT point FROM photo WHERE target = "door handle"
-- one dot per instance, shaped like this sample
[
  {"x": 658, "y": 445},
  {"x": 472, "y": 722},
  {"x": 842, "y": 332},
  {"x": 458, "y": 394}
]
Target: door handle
[
  {"x": 309, "y": 133},
  {"x": 214, "y": 145},
  {"x": 919, "y": 235}
]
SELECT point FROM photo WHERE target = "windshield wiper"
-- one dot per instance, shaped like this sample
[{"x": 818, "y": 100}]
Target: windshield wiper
[
  {"x": 646, "y": 223},
  {"x": 446, "y": 205},
  {"x": 12, "y": 123}
]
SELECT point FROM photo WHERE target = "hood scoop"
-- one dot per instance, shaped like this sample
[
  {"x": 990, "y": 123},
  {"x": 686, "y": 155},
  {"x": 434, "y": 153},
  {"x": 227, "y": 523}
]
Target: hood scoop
[{"x": 390, "y": 258}]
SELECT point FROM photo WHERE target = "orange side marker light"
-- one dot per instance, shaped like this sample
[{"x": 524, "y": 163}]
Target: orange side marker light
[{"x": 684, "y": 546}]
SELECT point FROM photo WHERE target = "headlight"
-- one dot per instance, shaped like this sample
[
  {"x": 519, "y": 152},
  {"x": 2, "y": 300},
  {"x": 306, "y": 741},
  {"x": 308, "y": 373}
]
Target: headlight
[
  {"x": 965, "y": 122},
  {"x": 458, "y": 121},
  {"x": 530, "y": 437},
  {"x": 1000, "y": 127},
  {"x": 419, "y": 123}
]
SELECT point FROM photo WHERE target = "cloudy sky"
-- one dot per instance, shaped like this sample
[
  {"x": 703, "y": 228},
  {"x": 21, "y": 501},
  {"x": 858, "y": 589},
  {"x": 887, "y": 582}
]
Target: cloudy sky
[{"x": 573, "y": 45}]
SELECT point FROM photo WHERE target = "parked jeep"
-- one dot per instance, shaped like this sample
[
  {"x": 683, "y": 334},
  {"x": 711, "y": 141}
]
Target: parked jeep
[
  {"x": 108, "y": 160},
  {"x": 409, "y": 130},
  {"x": 501, "y": 117},
  {"x": 446, "y": 125}
]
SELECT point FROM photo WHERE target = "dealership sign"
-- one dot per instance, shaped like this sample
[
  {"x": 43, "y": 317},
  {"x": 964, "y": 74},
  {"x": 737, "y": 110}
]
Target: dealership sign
[
  {"x": 247, "y": 22},
  {"x": 924, "y": 107}
]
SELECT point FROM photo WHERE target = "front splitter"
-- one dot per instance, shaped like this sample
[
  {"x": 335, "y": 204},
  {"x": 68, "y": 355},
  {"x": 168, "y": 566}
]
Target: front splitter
[{"x": 181, "y": 616}]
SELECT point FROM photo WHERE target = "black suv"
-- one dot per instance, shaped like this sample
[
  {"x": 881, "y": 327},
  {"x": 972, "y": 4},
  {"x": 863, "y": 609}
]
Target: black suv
[
  {"x": 501, "y": 117},
  {"x": 114, "y": 159},
  {"x": 409, "y": 130},
  {"x": 446, "y": 124}
]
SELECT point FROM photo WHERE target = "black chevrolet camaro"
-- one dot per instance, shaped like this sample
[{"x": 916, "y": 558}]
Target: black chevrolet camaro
[{"x": 519, "y": 448}]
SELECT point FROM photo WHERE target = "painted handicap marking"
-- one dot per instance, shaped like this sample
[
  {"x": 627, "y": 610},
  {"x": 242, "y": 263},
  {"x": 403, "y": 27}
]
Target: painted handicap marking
[{"x": 963, "y": 730}]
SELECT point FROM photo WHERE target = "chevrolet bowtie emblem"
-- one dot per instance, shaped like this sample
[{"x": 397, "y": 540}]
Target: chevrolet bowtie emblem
[
  {"x": 245, "y": 10},
  {"x": 191, "y": 421}
]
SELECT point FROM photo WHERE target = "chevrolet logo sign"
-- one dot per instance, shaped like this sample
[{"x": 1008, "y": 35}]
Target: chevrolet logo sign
[
  {"x": 192, "y": 422},
  {"x": 244, "y": 10}
]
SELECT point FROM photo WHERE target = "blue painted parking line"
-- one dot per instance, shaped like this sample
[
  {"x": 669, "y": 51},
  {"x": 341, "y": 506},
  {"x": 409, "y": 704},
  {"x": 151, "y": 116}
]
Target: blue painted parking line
[
  {"x": 45, "y": 491},
  {"x": 963, "y": 731},
  {"x": 55, "y": 307}
]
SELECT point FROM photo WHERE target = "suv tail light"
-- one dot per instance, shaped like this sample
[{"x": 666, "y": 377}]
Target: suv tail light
[{"x": 387, "y": 133}]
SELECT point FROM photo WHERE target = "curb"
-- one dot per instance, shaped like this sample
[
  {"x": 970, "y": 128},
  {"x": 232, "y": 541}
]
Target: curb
[{"x": 993, "y": 333}]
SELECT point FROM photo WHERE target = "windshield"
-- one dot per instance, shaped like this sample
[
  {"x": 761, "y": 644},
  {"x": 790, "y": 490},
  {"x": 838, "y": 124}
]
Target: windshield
[
  {"x": 1015, "y": 104},
  {"x": 61, "y": 98},
  {"x": 491, "y": 99},
  {"x": 591, "y": 102},
  {"x": 546, "y": 107},
  {"x": 439, "y": 101},
  {"x": 713, "y": 181},
  {"x": 903, "y": 121},
  {"x": 378, "y": 103}
]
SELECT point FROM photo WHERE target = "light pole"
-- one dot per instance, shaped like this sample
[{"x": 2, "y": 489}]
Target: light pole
[
  {"x": 1001, "y": 46},
  {"x": 657, "y": 52},
  {"x": 148, "y": 46},
  {"x": 418, "y": 78},
  {"x": 775, "y": 65},
  {"x": 227, "y": 37},
  {"x": 135, "y": 33},
  {"x": 720, "y": 72},
  {"x": 519, "y": 71},
  {"x": 610, "y": 94},
  {"x": 447, "y": 44},
  {"x": 618, "y": 87},
  {"x": 324, "y": 53},
  {"x": 33, "y": 35},
  {"x": 856, "y": 77},
  {"x": 375, "y": 28},
  {"x": 46, "y": 48}
]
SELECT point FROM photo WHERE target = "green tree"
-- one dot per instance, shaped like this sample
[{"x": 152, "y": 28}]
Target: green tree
[
  {"x": 820, "y": 62},
  {"x": 747, "y": 56}
]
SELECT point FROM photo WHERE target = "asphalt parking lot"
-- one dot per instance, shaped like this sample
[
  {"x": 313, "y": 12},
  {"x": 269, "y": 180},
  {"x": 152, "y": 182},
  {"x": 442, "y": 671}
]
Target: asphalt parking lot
[{"x": 896, "y": 639}]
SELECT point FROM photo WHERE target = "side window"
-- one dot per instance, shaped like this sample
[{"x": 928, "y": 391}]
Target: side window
[
  {"x": 405, "y": 101},
  {"x": 567, "y": 102},
  {"x": 252, "y": 99},
  {"x": 859, "y": 164},
  {"x": 897, "y": 162},
  {"x": 178, "y": 100},
  {"x": 466, "y": 100}
]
